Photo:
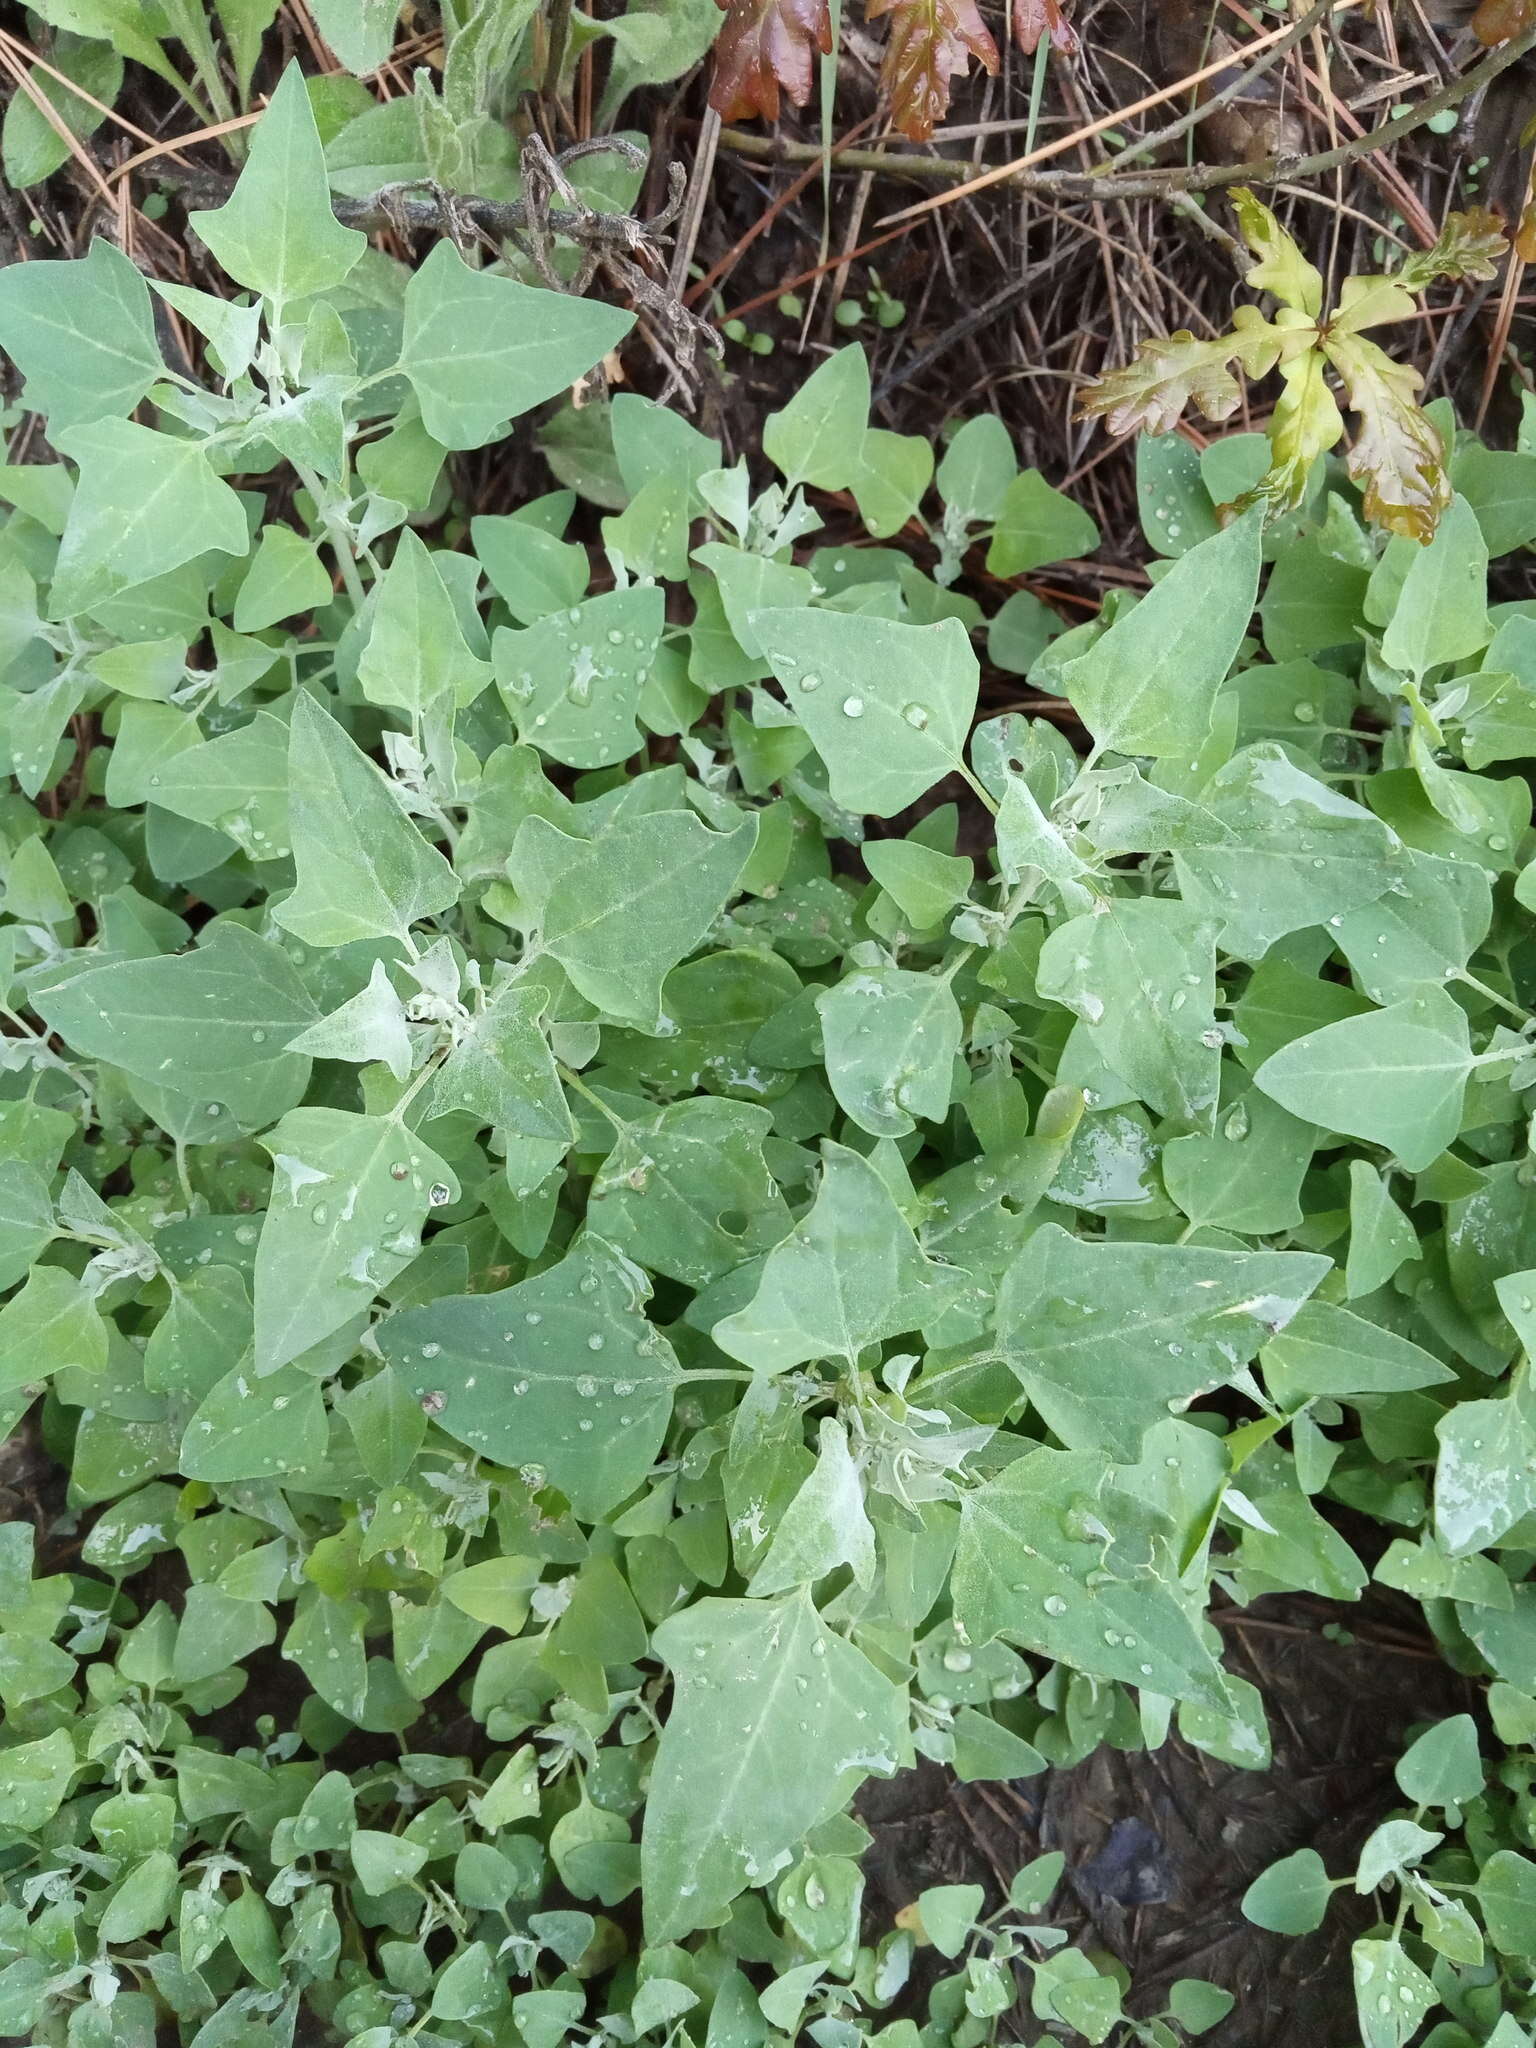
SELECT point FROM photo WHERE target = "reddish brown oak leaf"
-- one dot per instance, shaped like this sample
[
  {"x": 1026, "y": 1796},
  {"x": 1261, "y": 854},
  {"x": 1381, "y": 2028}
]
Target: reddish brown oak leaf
[
  {"x": 927, "y": 43},
  {"x": 1033, "y": 19},
  {"x": 765, "y": 47}
]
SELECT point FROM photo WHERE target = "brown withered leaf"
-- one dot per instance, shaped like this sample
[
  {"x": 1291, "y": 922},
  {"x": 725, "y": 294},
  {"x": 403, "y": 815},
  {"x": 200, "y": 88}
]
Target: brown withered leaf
[
  {"x": 1497, "y": 20},
  {"x": 765, "y": 47},
  {"x": 1173, "y": 371},
  {"x": 927, "y": 43},
  {"x": 1397, "y": 455},
  {"x": 1033, "y": 19}
]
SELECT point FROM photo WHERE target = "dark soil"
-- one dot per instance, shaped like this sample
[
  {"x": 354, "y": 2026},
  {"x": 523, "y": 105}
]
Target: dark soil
[{"x": 1161, "y": 1846}]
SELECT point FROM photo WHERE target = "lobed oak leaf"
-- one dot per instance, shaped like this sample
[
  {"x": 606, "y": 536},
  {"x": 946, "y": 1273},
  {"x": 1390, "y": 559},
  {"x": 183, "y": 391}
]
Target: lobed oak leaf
[
  {"x": 767, "y": 46},
  {"x": 1033, "y": 19},
  {"x": 1468, "y": 245},
  {"x": 1170, "y": 372},
  {"x": 1398, "y": 454},
  {"x": 1281, "y": 268},
  {"x": 1306, "y": 423},
  {"x": 927, "y": 43}
]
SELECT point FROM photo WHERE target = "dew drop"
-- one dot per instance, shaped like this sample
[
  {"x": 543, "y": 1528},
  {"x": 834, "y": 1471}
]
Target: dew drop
[
  {"x": 915, "y": 716},
  {"x": 853, "y": 707},
  {"x": 957, "y": 1659},
  {"x": 438, "y": 1194},
  {"x": 810, "y": 682},
  {"x": 1054, "y": 1604}
]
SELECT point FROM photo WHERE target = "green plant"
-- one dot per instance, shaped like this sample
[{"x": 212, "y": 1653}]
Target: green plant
[{"x": 549, "y": 1234}]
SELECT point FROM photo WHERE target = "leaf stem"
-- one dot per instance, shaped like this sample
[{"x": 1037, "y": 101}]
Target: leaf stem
[
  {"x": 574, "y": 1082},
  {"x": 335, "y": 533}
]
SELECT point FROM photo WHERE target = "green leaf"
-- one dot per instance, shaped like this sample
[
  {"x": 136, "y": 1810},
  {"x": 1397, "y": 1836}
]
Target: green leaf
[
  {"x": 384, "y": 1861},
  {"x": 1327, "y": 1352},
  {"x": 26, "y": 1218},
  {"x": 1485, "y": 1475},
  {"x": 501, "y": 1070},
  {"x": 1036, "y": 524},
  {"x": 1106, "y": 1338},
  {"x": 1441, "y": 612},
  {"x": 480, "y": 350},
  {"x": 364, "y": 871},
  {"x": 50, "y": 1324},
  {"x": 369, "y": 1026},
  {"x": 949, "y": 1913},
  {"x": 143, "y": 505},
  {"x": 34, "y": 1780},
  {"x": 276, "y": 232},
  {"x": 924, "y": 884},
  {"x": 890, "y": 1039},
  {"x": 1422, "y": 931},
  {"x": 1291, "y": 1897},
  {"x": 1506, "y": 1891},
  {"x": 1273, "y": 849},
  {"x": 1141, "y": 976},
  {"x": 215, "y": 1021},
  {"x": 1380, "y": 1235},
  {"x": 887, "y": 706},
  {"x": 1149, "y": 685},
  {"x": 850, "y": 1274},
  {"x": 416, "y": 656},
  {"x": 562, "y": 1371},
  {"x": 245, "y": 1429},
  {"x": 237, "y": 784},
  {"x": 775, "y": 1722},
  {"x": 572, "y": 682},
  {"x": 1197, "y": 2005},
  {"x": 825, "y": 1525},
  {"x": 620, "y": 911},
  {"x": 1248, "y": 1177},
  {"x": 687, "y": 1191},
  {"x": 1395, "y": 1077},
  {"x": 1443, "y": 1766},
  {"x": 286, "y": 577},
  {"x": 818, "y": 438},
  {"x": 361, "y": 32},
  {"x": 349, "y": 1196},
  {"x": 82, "y": 334},
  {"x": 1057, "y": 1556}
]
